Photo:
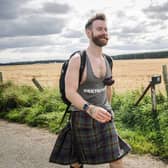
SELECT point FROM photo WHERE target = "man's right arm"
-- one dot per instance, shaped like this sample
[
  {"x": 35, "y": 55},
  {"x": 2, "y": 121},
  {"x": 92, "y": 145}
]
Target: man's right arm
[{"x": 71, "y": 82}]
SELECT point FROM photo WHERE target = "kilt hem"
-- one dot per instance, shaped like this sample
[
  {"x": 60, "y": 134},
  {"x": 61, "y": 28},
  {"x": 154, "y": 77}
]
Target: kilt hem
[{"x": 104, "y": 162}]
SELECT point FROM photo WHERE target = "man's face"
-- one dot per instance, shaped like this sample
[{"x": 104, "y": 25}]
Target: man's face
[{"x": 99, "y": 33}]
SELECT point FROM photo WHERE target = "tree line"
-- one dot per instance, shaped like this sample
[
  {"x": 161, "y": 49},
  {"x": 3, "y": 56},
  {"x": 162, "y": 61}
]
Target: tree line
[{"x": 145, "y": 55}]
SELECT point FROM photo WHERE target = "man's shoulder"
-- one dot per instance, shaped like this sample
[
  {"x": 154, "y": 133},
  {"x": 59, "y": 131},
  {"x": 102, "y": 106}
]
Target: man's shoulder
[
  {"x": 75, "y": 59},
  {"x": 76, "y": 56}
]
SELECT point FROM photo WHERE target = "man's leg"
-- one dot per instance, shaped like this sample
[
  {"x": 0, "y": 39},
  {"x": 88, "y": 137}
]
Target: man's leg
[{"x": 117, "y": 164}]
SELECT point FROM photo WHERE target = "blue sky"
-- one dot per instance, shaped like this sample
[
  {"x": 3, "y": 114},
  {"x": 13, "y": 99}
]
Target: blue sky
[{"x": 52, "y": 29}]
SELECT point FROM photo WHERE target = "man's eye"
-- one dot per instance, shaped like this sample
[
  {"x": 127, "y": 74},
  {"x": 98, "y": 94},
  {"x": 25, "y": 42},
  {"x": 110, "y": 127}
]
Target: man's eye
[{"x": 99, "y": 29}]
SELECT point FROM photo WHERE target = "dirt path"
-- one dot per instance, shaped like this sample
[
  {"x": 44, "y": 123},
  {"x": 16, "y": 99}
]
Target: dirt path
[{"x": 25, "y": 147}]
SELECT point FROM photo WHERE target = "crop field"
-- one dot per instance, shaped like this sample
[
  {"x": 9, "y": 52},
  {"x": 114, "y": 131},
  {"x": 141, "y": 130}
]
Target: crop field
[{"x": 128, "y": 74}]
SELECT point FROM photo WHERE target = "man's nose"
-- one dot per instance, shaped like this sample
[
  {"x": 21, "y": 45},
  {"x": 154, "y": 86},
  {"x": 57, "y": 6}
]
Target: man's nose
[{"x": 104, "y": 32}]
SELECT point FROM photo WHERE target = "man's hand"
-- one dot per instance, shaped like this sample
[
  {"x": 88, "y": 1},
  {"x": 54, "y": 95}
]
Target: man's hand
[{"x": 99, "y": 114}]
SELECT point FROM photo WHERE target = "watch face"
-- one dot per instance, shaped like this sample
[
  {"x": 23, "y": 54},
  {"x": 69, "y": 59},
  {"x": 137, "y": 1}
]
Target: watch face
[{"x": 85, "y": 107}]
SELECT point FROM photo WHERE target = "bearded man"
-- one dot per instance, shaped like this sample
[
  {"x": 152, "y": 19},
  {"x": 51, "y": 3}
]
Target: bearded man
[{"x": 95, "y": 136}]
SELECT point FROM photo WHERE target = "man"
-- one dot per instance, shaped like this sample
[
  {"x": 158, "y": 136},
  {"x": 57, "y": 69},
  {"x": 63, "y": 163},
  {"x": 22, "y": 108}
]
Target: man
[{"x": 92, "y": 117}]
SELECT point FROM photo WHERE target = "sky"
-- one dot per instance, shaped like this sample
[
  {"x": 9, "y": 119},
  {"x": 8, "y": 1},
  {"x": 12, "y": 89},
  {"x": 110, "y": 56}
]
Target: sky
[{"x": 52, "y": 29}]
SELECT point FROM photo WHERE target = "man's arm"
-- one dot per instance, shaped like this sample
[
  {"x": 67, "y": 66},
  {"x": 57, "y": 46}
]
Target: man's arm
[{"x": 71, "y": 82}]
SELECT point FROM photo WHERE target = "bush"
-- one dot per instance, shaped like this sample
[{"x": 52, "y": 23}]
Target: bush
[{"x": 141, "y": 119}]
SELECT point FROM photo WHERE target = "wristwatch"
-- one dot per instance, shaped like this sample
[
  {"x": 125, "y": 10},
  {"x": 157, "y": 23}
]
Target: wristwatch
[{"x": 85, "y": 107}]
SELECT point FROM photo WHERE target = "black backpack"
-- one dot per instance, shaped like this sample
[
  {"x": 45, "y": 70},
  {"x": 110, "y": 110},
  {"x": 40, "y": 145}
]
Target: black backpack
[{"x": 63, "y": 73}]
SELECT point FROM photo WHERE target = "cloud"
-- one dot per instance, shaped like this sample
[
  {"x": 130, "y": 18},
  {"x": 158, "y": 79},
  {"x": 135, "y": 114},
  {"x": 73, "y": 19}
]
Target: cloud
[
  {"x": 25, "y": 19},
  {"x": 141, "y": 46},
  {"x": 137, "y": 29},
  {"x": 159, "y": 12},
  {"x": 163, "y": 8},
  {"x": 23, "y": 42},
  {"x": 32, "y": 26},
  {"x": 120, "y": 14},
  {"x": 69, "y": 33},
  {"x": 53, "y": 7},
  {"x": 127, "y": 32},
  {"x": 10, "y": 9}
]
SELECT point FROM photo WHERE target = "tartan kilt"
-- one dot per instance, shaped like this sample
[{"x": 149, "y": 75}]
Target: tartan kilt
[{"x": 93, "y": 142}]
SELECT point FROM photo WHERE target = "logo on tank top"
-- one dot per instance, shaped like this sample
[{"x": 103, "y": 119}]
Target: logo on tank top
[{"x": 94, "y": 91}]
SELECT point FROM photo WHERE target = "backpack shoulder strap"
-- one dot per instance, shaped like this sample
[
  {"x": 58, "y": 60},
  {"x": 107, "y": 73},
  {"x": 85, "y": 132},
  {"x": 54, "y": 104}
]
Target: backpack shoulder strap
[
  {"x": 82, "y": 64},
  {"x": 109, "y": 81},
  {"x": 109, "y": 59}
]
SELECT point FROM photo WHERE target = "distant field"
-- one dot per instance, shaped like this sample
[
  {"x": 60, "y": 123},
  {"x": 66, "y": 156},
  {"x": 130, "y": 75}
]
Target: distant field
[{"x": 128, "y": 74}]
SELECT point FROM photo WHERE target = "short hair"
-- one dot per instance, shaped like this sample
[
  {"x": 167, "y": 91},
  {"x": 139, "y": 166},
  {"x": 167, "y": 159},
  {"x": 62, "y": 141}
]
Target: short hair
[{"x": 98, "y": 16}]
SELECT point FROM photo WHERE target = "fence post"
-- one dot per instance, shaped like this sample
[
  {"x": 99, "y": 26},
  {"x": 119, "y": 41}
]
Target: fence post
[
  {"x": 165, "y": 77},
  {"x": 153, "y": 97},
  {"x": 37, "y": 84},
  {"x": 1, "y": 77}
]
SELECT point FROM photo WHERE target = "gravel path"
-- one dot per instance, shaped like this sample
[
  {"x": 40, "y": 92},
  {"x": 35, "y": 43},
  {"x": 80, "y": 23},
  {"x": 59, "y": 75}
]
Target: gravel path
[{"x": 25, "y": 147}]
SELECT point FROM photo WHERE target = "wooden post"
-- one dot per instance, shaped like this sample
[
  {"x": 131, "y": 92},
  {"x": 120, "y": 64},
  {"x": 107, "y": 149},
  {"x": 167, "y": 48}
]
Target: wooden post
[
  {"x": 1, "y": 77},
  {"x": 37, "y": 84},
  {"x": 153, "y": 97},
  {"x": 165, "y": 77}
]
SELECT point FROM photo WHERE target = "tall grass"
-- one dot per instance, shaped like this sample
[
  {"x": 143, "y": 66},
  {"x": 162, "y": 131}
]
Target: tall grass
[{"x": 145, "y": 132}]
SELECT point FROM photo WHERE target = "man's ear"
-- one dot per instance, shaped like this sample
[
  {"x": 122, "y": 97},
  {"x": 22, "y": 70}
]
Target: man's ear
[{"x": 88, "y": 33}]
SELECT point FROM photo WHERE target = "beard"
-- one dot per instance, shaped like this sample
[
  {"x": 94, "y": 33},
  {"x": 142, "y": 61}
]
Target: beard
[{"x": 100, "y": 40}]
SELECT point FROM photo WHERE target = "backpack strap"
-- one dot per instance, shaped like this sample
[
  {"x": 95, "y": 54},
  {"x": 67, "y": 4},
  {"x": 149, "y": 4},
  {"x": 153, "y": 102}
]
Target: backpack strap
[
  {"x": 109, "y": 81},
  {"x": 110, "y": 60},
  {"x": 63, "y": 117},
  {"x": 82, "y": 64}
]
